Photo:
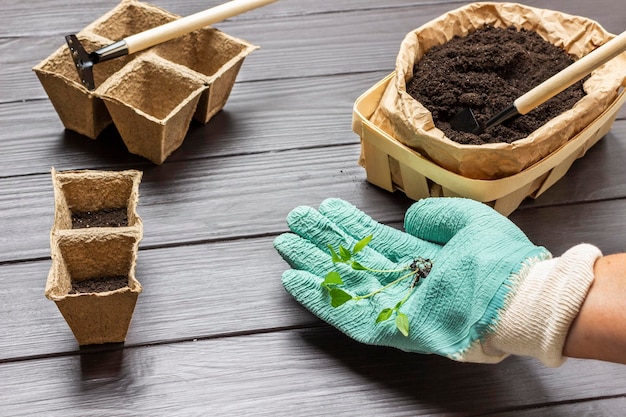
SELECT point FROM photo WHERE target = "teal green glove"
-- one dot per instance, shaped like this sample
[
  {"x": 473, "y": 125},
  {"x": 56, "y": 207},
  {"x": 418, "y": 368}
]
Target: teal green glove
[{"x": 487, "y": 292}]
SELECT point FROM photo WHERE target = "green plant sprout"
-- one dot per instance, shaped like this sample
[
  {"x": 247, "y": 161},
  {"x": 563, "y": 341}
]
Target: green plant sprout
[{"x": 418, "y": 269}]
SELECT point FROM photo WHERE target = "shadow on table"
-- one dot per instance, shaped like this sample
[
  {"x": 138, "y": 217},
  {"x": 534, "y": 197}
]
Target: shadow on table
[{"x": 434, "y": 381}]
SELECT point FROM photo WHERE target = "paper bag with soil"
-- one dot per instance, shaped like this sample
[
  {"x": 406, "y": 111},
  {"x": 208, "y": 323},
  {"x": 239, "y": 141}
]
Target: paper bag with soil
[{"x": 407, "y": 120}]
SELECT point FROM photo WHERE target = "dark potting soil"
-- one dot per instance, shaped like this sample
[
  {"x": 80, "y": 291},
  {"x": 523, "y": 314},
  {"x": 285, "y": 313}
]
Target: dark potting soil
[
  {"x": 110, "y": 217},
  {"x": 486, "y": 71},
  {"x": 99, "y": 284}
]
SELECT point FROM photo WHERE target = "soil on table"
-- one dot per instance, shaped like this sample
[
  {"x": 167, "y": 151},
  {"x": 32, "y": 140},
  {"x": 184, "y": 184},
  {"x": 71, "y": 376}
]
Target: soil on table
[
  {"x": 110, "y": 217},
  {"x": 486, "y": 71},
  {"x": 99, "y": 284}
]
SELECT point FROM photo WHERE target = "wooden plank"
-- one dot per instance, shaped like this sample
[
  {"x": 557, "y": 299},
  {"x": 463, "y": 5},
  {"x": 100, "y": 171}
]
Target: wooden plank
[
  {"x": 248, "y": 125},
  {"x": 58, "y": 15},
  {"x": 560, "y": 227},
  {"x": 259, "y": 117},
  {"x": 202, "y": 200},
  {"x": 341, "y": 42},
  {"x": 298, "y": 372},
  {"x": 212, "y": 207},
  {"x": 190, "y": 280},
  {"x": 194, "y": 291},
  {"x": 597, "y": 175},
  {"x": 602, "y": 407},
  {"x": 62, "y": 16},
  {"x": 323, "y": 109}
]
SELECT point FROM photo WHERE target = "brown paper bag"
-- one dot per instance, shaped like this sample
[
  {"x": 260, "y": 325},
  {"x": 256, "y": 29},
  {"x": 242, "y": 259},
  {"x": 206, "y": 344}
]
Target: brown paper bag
[{"x": 404, "y": 118}]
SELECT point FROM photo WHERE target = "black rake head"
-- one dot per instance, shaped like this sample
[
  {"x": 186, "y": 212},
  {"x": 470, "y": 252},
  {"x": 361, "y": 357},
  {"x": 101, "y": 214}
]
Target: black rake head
[{"x": 83, "y": 61}]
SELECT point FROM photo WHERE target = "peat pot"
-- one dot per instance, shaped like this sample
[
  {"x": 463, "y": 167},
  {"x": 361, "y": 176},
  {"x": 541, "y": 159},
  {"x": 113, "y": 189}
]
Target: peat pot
[{"x": 87, "y": 254}]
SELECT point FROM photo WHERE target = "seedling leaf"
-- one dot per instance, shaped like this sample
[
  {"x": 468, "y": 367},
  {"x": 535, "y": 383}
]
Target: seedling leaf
[
  {"x": 356, "y": 265},
  {"x": 333, "y": 254},
  {"x": 338, "y": 297},
  {"x": 418, "y": 269},
  {"x": 384, "y": 315},
  {"x": 332, "y": 278},
  {"x": 361, "y": 244},
  {"x": 402, "y": 323},
  {"x": 345, "y": 254}
]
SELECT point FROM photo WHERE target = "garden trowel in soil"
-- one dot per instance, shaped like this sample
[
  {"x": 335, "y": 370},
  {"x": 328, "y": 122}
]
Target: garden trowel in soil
[
  {"x": 465, "y": 120},
  {"x": 138, "y": 42}
]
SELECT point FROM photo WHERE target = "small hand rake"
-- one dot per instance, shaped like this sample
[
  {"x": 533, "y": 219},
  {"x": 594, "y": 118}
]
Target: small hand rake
[
  {"x": 138, "y": 42},
  {"x": 465, "y": 120}
]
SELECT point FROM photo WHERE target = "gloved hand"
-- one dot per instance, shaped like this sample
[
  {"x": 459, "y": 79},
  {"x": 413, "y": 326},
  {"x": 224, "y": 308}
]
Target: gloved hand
[{"x": 490, "y": 291}]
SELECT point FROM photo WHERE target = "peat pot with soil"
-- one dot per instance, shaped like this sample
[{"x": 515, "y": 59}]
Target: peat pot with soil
[
  {"x": 484, "y": 56},
  {"x": 94, "y": 242}
]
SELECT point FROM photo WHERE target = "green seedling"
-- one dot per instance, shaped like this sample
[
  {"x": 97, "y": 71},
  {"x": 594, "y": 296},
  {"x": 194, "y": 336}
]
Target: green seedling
[{"x": 416, "y": 270}]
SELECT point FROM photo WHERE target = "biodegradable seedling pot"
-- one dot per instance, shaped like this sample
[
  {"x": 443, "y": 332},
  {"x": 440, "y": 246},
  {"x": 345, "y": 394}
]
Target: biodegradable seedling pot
[
  {"x": 208, "y": 55},
  {"x": 94, "y": 317},
  {"x": 80, "y": 254},
  {"x": 90, "y": 190},
  {"x": 80, "y": 110},
  {"x": 214, "y": 55},
  {"x": 152, "y": 128}
]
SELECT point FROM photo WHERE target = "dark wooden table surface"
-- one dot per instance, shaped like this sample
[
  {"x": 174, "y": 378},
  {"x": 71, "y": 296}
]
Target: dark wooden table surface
[{"x": 214, "y": 333}]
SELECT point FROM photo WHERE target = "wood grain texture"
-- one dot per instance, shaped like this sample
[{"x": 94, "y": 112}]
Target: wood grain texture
[
  {"x": 198, "y": 283},
  {"x": 190, "y": 280},
  {"x": 596, "y": 176},
  {"x": 59, "y": 13},
  {"x": 296, "y": 372},
  {"x": 214, "y": 332},
  {"x": 208, "y": 207},
  {"x": 609, "y": 407},
  {"x": 349, "y": 40},
  {"x": 202, "y": 200},
  {"x": 319, "y": 111}
]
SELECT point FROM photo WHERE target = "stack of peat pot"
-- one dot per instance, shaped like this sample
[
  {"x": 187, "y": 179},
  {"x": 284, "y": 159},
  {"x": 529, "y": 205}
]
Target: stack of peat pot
[{"x": 86, "y": 253}]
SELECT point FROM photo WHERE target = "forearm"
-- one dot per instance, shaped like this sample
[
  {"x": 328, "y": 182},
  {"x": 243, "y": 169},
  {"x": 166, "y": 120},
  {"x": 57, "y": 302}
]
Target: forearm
[{"x": 599, "y": 330}]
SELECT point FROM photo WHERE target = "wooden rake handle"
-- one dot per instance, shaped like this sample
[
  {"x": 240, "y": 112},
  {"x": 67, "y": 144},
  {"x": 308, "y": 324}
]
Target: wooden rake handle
[
  {"x": 573, "y": 73},
  {"x": 184, "y": 25}
]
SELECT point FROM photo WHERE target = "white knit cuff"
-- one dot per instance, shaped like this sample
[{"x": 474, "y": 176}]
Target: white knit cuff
[{"x": 543, "y": 306}]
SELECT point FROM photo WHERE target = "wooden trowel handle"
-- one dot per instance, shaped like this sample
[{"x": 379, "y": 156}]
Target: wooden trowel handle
[
  {"x": 184, "y": 25},
  {"x": 573, "y": 73}
]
